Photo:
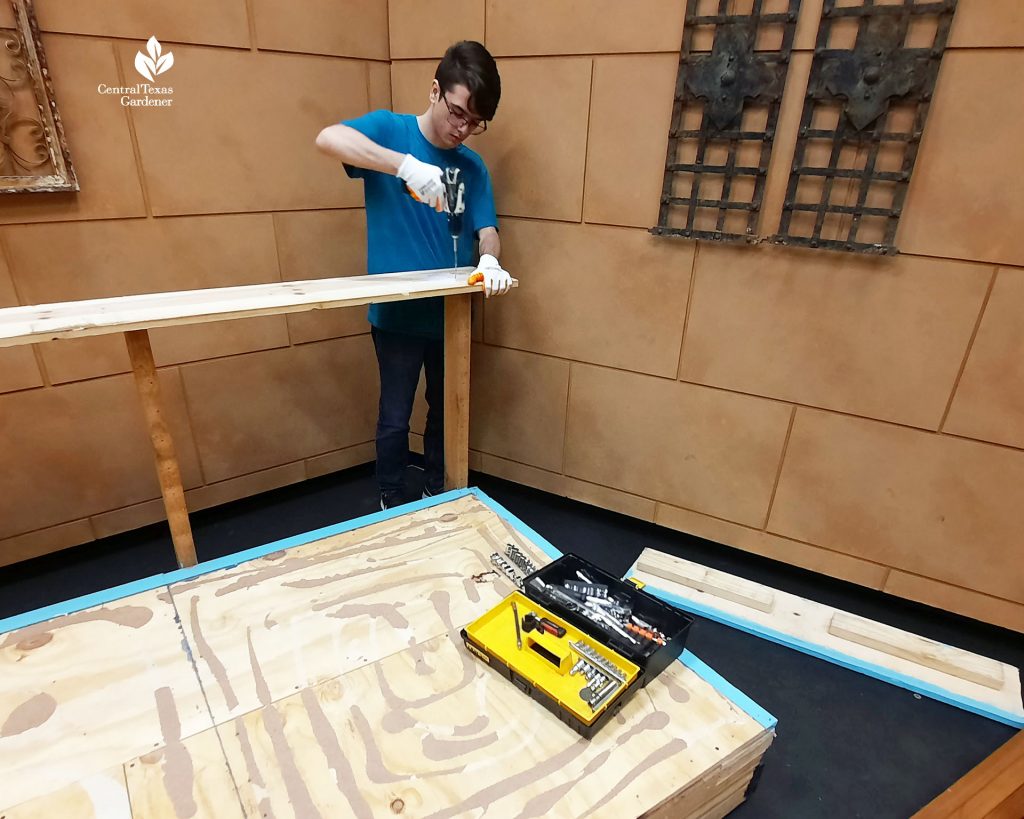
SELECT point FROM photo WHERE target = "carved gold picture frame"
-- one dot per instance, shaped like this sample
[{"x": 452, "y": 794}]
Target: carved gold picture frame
[{"x": 34, "y": 155}]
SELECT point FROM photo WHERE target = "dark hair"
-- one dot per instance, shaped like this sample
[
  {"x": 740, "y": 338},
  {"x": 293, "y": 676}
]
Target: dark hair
[{"x": 468, "y": 63}]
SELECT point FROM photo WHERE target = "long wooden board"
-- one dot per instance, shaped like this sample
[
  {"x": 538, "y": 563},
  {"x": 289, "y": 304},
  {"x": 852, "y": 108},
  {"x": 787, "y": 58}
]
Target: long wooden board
[
  {"x": 45, "y": 322},
  {"x": 946, "y": 673},
  {"x": 329, "y": 679}
]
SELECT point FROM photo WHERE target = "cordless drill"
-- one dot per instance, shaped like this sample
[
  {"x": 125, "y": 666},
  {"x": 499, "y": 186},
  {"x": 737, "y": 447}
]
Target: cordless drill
[{"x": 455, "y": 205}]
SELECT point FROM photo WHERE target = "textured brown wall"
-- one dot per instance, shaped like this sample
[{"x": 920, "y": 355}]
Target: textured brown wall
[
  {"x": 225, "y": 187},
  {"x": 860, "y": 417}
]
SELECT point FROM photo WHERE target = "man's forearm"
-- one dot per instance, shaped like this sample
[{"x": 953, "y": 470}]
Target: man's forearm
[
  {"x": 353, "y": 148},
  {"x": 490, "y": 243}
]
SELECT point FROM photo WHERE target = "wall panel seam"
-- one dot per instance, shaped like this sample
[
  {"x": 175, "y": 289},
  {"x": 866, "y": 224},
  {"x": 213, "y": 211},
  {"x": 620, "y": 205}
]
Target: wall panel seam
[
  {"x": 969, "y": 348},
  {"x": 686, "y": 313},
  {"x": 140, "y": 174},
  {"x": 778, "y": 474}
]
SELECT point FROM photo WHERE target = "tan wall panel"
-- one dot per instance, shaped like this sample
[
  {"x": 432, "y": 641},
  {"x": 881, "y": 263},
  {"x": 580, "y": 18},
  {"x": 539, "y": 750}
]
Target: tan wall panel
[
  {"x": 318, "y": 245},
  {"x": 631, "y": 110},
  {"x": 989, "y": 401},
  {"x": 68, "y": 360},
  {"x": 537, "y": 145},
  {"x": 18, "y": 368},
  {"x": 571, "y": 27},
  {"x": 44, "y": 541},
  {"x": 378, "y": 81},
  {"x": 352, "y": 28},
  {"x": 959, "y": 600},
  {"x": 881, "y": 337},
  {"x": 607, "y": 295},
  {"x": 517, "y": 406},
  {"x": 240, "y": 134},
  {"x": 266, "y": 409},
  {"x": 410, "y": 86},
  {"x": 703, "y": 449},
  {"x": 191, "y": 21},
  {"x": 341, "y": 459},
  {"x": 753, "y": 540},
  {"x": 961, "y": 197},
  {"x": 988, "y": 23},
  {"x": 98, "y": 139},
  {"x": 78, "y": 260},
  {"x": 425, "y": 28},
  {"x": 933, "y": 505},
  {"x": 256, "y": 483},
  {"x": 83, "y": 448}
]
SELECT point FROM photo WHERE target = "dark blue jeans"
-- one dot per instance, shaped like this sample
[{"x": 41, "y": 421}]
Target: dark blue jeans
[{"x": 400, "y": 358}]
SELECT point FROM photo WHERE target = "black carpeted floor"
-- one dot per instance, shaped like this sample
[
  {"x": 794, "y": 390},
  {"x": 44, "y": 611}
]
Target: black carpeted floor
[{"x": 847, "y": 745}]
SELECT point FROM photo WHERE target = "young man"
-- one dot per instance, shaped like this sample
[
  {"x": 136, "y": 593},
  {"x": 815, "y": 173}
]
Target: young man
[{"x": 402, "y": 160}]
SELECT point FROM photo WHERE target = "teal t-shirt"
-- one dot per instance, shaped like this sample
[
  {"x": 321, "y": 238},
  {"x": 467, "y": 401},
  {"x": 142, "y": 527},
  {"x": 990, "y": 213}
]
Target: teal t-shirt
[{"x": 403, "y": 234}]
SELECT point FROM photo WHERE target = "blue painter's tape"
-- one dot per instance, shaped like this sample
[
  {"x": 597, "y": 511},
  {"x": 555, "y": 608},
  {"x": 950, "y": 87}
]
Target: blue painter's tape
[
  {"x": 727, "y": 689},
  {"x": 844, "y": 660}
]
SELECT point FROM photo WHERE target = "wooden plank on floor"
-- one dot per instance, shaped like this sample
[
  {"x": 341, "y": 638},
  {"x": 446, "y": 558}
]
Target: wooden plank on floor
[
  {"x": 945, "y": 673},
  {"x": 992, "y": 790},
  {"x": 899, "y": 643}
]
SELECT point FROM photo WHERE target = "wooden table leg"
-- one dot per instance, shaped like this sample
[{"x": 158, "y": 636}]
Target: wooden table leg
[
  {"x": 456, "y": 391},
  {"x": 163, "y": 447}
]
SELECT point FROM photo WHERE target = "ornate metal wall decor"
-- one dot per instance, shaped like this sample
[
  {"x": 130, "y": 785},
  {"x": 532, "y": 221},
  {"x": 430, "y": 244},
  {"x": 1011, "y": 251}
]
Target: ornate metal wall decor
[
  {"x": 33, "y": 153},
  {"x": 724, "y": 117},
  {"x": 862, "y": 122}
]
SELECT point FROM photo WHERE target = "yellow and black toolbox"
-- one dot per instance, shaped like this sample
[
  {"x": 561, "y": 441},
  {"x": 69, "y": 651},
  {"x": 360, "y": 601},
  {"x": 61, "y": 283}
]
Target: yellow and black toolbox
[{"x": 578, "y": 640}]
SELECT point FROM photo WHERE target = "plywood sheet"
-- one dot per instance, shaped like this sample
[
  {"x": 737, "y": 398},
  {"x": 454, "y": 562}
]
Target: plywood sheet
[
  {"x": 433, "y": 732},
  {"x": 89, "y": 690},
  {"x": 319, "y": 610},
  {"x": 329, "y": 679}
]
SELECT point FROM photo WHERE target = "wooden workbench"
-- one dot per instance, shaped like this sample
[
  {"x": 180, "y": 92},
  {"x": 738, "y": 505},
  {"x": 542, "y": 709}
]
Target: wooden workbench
[
  {"x": 134, "y": 316},
  {"x": 324, "y": 676}
]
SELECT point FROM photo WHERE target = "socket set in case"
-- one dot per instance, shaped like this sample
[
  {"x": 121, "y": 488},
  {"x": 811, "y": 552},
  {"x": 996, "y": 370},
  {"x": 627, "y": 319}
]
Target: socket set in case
[{"x": 578, "y": 640}]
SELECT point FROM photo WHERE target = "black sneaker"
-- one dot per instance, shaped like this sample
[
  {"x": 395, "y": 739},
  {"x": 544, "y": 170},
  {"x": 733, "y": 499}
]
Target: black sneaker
[
  {"x": 427, "y": 493},
  {"x": 390, "y": 499}
]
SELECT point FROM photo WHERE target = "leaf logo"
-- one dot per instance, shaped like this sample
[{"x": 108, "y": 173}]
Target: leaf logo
[{"x": 149, "y": 67}]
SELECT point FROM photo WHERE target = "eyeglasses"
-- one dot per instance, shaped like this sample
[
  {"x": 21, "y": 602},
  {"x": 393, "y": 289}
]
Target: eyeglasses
[{"x": 458, "y": 118}]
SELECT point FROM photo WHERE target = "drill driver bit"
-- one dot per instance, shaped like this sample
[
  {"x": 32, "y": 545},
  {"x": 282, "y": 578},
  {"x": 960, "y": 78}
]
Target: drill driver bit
[{"x": 455, "y": 206}]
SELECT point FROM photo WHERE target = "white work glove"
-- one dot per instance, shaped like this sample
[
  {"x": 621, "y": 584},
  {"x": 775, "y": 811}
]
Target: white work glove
[
  {"x": 496, "y": 280},
  {"x": 423, "y": 180}
]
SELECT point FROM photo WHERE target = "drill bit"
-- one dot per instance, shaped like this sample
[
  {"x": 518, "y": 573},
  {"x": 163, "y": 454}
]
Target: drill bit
[{"x": 519, "y": 634}]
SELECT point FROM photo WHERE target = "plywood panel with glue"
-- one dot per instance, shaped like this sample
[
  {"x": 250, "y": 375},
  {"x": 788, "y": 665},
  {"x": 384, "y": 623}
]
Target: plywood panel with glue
[
  {"x": 102, "y": 795},
  {"x": 319, "y": 610},
  {"x": 187, "y": 777},
  {"x": 339, "y": 686},
  {"x": 441, "y": 713},
  {"x": 89, "y": 690}
]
